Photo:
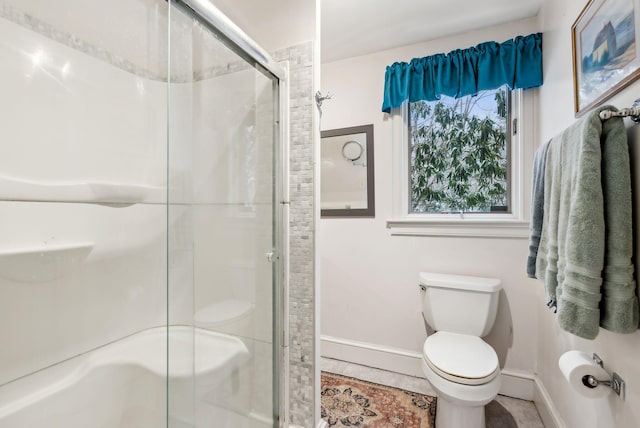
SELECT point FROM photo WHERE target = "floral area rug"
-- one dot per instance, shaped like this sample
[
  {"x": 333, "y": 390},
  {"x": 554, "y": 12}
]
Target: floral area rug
[{"x": 349, "y": 402}]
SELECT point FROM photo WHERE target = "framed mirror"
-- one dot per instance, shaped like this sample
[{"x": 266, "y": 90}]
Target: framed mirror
[{"x": 346, "y": 173}]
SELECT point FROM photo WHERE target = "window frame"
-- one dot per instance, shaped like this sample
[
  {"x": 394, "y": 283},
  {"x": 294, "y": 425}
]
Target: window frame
[{"x": 513, "y": 224}]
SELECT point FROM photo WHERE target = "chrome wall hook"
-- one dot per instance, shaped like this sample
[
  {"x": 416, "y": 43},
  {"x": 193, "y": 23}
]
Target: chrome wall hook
[{"x": 320, "y": 98}]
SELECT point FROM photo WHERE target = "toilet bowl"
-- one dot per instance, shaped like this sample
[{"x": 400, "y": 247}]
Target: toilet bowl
[
  {"x": 463, "y": 369},
  {"x": 464, "y": 373}
]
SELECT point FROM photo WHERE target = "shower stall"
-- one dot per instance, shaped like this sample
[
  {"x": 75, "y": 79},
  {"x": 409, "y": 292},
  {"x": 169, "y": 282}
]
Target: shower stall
[{"x": 143, "y": 200}]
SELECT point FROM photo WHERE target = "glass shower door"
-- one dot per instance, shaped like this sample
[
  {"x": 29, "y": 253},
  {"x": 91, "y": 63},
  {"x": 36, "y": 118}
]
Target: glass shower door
[{"x": 223, "y": 228}]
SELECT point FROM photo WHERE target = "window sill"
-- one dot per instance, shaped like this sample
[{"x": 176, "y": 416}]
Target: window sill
[{"x": 505, "y": 229}]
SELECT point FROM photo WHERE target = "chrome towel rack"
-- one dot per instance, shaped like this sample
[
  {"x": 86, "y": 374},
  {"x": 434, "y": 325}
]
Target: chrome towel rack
[{"x": 633, "y": 112}]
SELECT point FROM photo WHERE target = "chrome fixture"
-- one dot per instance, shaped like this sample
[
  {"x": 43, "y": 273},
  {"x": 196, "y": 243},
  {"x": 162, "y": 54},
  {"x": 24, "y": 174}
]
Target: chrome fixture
[
  {"x": 320, "y": 98},
  {"x": 616, "y": 383},
  {"x": 633, "y": 112}
]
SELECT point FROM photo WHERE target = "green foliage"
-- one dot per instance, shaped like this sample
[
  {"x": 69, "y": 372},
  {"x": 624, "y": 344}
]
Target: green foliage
[{"x": 459, "y": 153}]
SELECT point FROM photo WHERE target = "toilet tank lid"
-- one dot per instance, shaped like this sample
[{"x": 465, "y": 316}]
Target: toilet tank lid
[{"x": 463, "y": 282}]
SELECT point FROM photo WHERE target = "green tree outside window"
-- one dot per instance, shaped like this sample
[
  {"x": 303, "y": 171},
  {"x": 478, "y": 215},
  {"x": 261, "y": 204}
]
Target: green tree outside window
[{"x": 459, "y": 154}]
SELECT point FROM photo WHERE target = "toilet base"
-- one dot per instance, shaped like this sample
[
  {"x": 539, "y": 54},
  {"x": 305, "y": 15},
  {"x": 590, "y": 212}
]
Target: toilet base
[{"x": 449, "y": 415}]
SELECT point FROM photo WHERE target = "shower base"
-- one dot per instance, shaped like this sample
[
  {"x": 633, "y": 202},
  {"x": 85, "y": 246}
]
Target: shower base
[{"x": 124, "y": 384}]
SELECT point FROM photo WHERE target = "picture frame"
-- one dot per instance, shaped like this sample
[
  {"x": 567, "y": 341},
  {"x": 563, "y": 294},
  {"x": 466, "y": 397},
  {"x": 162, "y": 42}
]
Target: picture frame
[
  {"x": 606, "y": 52},
  {"x": 347, "y": 185}
]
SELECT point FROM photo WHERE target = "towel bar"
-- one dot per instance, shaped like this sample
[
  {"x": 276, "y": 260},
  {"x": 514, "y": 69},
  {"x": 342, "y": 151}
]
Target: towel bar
[{"x": 633, "y": 112}]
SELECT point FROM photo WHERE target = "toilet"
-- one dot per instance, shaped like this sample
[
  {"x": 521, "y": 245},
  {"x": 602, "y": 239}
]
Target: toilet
[{"x": 461, "y": 367}]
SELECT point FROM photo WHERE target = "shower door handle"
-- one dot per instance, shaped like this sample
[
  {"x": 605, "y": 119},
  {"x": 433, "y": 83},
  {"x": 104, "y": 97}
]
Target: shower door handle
[{"x": 272, "y": 257}]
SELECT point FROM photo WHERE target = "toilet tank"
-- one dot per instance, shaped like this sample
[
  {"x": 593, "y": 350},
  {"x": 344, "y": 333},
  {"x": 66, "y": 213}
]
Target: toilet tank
[{"x": 460, "y": 304}]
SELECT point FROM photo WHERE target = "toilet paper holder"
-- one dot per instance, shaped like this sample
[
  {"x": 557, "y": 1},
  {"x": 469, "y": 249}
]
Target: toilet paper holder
[{"x": 616, "y": 383}]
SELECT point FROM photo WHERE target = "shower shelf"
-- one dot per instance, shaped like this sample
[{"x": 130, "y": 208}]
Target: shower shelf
[
  {"x": 15, "y": 189},
  {"x": 43, "y": 263}
]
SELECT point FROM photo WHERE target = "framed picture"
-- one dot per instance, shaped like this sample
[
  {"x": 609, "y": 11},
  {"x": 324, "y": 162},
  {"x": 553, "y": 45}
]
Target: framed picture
[
  {"x": 606, "y": 55},
  {"x": 346, "y": 173}
]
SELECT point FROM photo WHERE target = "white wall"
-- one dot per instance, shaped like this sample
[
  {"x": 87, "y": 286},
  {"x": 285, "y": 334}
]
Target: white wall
[
  {"x": 619, "y": 352},
  {"x": 369, "y": 292},
  {"x": 370, "y": 288}
]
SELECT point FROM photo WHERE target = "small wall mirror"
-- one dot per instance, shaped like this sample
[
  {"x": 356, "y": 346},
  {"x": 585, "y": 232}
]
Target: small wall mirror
[{"x": 346, "y": 174}]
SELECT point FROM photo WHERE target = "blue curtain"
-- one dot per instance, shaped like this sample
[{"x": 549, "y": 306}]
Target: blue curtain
[{"x": 517, "y": 63}]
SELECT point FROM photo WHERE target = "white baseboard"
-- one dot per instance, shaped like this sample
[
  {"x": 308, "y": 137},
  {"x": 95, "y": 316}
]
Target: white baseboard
[
  {"x": 514, "y": 384},
  {"x": 517, "y": 384},
  {"x": 367, "y": 354},
  {"x": 546, "y": 409}
]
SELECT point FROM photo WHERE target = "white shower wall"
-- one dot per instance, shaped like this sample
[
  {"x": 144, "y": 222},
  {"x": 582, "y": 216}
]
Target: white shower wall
[
  {"x": 77, "y": 128},
  {"x": 75, "y": 119}
]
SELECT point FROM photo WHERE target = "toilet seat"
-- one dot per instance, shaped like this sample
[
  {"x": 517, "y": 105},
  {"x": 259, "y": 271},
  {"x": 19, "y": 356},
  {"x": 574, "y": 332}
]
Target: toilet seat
[{"x": 461, "y": 358}]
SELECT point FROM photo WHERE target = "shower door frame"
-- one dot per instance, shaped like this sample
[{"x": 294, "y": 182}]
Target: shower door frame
[{"x": 250, "y": 51}]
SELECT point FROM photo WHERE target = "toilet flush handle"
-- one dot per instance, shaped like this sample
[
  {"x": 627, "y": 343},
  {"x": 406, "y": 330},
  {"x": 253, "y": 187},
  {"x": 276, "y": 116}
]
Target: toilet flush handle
[{"x": 422, "y": 287}]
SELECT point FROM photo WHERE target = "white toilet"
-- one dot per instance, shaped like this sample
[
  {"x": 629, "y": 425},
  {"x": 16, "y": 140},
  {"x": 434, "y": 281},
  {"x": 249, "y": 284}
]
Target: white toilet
[{"x": 462, "y": 368}]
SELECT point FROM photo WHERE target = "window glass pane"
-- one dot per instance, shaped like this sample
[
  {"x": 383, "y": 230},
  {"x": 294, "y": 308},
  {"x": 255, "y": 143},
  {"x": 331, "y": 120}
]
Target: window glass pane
[{"x": 459, "y": 152}]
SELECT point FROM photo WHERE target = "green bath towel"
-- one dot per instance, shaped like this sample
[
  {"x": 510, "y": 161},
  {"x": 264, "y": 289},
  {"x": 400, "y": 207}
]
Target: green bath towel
[
  {"x": 619, "y": 307},
  {"x": 586, "y": 243}
]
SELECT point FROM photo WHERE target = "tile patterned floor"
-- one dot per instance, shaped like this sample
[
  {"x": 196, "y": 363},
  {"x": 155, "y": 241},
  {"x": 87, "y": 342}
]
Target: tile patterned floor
[{"x": 523, "y": 412}]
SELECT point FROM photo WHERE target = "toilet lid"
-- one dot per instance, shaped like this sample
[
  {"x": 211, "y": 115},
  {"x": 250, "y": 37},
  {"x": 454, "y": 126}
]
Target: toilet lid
[{"x": 461, "y": 358}]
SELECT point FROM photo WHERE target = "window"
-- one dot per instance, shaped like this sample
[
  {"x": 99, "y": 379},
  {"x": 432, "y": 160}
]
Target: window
[
  {"x": 463, "y": 188},
  {"x": 459, "y": 154}
]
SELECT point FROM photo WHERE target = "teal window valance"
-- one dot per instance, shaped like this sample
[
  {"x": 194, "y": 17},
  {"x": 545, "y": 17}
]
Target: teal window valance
[{"x": 516, "y": 63}]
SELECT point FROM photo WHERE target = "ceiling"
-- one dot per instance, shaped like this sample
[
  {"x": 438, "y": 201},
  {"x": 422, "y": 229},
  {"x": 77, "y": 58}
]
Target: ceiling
[
  {"x": 349, "y": 27},
  {"x": 358, "y": 27}
]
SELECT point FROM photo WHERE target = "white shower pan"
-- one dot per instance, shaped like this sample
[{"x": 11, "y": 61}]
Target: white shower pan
[{"x": 124, "y": 384}]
